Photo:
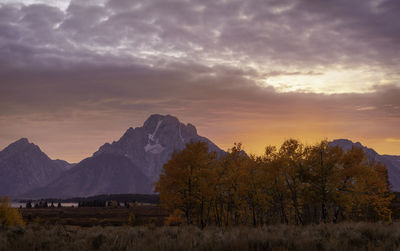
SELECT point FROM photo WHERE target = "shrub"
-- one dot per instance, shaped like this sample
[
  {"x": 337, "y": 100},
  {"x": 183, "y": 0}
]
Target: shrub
[
  {"x": 177, "y": 218},
  {"x": 132, "y": 219}
]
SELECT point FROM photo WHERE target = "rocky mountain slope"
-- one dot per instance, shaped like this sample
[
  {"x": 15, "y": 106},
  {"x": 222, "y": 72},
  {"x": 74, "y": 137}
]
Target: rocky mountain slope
[
  {"x": 23, "y": 166},
  {"x": 101, "y": 174}
]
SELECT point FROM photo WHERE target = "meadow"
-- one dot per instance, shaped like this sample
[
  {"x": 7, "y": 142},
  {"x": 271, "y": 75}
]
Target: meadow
[
  {"x": 95, "y": 216},
  {"x": 343, "y": 236}
]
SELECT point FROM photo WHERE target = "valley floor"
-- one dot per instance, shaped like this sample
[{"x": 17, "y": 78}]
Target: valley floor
[
  {"x": 344, "y": 236},
  {"x": 95, "y": 216}
]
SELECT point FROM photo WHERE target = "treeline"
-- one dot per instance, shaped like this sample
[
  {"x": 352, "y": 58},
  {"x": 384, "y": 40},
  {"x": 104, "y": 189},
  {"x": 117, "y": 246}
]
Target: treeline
[
  {"x": 140, "y": 198},
  {"x": 295, "y": 184}
]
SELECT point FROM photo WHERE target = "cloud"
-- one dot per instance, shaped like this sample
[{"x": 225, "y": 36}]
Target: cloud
[
  {"x": 268, "y": 36},
  {"x": 392, "y": 140},
  {"x": 211, "y": 98},
  {"x": 102, "y": 66}
]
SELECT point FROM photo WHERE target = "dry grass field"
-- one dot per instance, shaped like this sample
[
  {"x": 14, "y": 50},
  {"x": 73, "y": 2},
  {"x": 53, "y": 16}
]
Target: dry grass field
[
  {"x": 94, "y": 216},
  {"x": 344, "y": 236},
  {"x": 105, "y": 228}
]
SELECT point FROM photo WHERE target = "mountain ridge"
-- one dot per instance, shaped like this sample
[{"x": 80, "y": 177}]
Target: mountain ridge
[
  {"x": 130, "y": 164},
  {"x": 139, "y": 154}
]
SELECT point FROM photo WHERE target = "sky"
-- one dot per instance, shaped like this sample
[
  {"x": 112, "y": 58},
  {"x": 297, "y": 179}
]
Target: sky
[{"x": 77, "y": 74}]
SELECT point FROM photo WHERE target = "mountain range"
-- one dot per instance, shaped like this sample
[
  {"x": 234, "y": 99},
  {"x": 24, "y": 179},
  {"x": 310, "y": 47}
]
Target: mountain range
[{"x": 130, "y": 165}]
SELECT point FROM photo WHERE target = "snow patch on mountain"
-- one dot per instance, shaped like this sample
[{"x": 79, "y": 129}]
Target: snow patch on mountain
[
  {"x": 153, "y": 145},
  {"x": 180, "y": 134},
  {"x": 151, "y": 136},
  {"x": 156, "y": 148}
]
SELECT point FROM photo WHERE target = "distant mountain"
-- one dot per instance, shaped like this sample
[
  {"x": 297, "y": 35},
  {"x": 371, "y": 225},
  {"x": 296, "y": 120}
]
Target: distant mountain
[
  {"x": 149, "y": 147},
  {"x": 130, "y": 165},
  {"x": 23, "y": 166},
  {"x": 101, "y": 174},
  {"x": 392, "y": 162}
]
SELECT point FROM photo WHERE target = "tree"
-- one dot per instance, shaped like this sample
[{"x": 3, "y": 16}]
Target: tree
[
  {"x": 323, "y": 176},
  {"x": 8, "y": 215},
  {"x": 296, "y": 185},
  {"x": 230, "y": 172},
  {"x": 292, "y": 164},
  {"x": 253, "y": 190},
  {"x": 274, "y": 179},
  {"x": 182, "y": 185},
  {"x": 371, "y": 197}
]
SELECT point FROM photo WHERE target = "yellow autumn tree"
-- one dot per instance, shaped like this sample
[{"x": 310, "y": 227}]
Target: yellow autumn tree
[
  {"x": 296, "y": 184},
  {"x": 9, "y": 216},
  {"x": 371, "y": 197},
  {"x": 231, "y": 202},
  {"x": 182, "y": 184},
  {"x": 291, "y": 156},
  {"x": 323, "y": 178},
  {"x": 274, "y": 179},
  {"x": 362, "y": 189}
]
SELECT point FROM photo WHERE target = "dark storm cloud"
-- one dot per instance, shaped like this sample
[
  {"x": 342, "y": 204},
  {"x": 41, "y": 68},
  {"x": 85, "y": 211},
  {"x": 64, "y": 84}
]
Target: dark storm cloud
[
  {"x": 289, "y": 33},
  {"x": 124, "y": 52}
]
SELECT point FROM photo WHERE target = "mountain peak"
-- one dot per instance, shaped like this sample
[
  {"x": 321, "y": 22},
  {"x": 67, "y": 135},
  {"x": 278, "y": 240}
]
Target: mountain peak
[
  {"x": 342, "y": 142},
  {"x": 22, "y": 141},
  {"x": 20, "y": 145},
  {"x": 24, "y": 166},
  {"x": 191, "y": 129},
  {"x": 346, "y": 145},
  {"x": 149, "y": 147},
  {"x": 155, "y": 119}
]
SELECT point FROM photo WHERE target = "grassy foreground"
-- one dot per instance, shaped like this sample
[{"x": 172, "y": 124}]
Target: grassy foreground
[{"x": 345, "y": 236}]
